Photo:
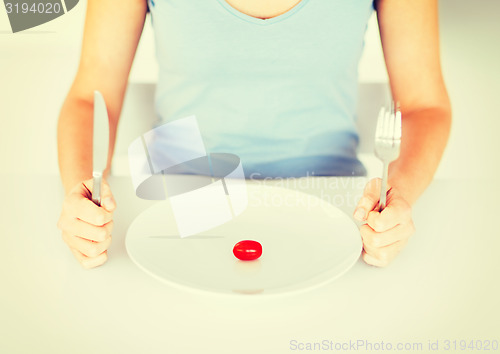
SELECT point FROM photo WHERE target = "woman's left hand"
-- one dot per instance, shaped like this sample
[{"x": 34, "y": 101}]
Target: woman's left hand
[{"x": 385, "y": 233}]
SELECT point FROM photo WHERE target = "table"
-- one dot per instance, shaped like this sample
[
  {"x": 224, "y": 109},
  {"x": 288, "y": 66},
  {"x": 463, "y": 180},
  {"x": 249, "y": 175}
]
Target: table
[{"x": 443, "y": 287}]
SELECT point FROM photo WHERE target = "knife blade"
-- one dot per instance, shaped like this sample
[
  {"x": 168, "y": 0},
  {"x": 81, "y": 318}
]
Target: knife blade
[{"x": 100, "y": 145}]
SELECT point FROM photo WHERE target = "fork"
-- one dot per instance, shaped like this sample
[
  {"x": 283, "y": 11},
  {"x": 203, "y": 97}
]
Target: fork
[{"x": 387, "y": 144}]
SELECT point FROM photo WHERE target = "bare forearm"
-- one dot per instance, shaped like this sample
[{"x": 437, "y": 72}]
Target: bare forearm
[
  {"x": 74, "y": 142},
  {"x": 74, "y": 137},
  {"x": 425, "y": 134}
]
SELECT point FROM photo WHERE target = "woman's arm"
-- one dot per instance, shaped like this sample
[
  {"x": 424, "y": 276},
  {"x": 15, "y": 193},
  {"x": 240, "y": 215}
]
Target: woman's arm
[
  {"x": 112, "y": 32},
  {"x": 410, "y": 41}
]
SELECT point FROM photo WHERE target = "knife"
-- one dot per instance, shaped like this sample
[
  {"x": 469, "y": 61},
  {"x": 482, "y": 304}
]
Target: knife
[{"x": 100, "y": 145}]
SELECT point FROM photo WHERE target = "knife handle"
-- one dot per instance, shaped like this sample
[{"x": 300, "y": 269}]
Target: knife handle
[{"x": 96, "y": 190}]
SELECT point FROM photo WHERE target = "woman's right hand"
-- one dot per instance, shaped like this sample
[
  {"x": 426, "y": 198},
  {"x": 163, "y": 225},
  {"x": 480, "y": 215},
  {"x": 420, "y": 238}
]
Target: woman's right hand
[{"x": 86, "y": 228}]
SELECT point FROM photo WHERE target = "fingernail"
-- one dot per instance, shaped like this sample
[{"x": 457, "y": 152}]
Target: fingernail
[
  {"x": 109, "y": 203},
  {"x": 359, "y": 214}
]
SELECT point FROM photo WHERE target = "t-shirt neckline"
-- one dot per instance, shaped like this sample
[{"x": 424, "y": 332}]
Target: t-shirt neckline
[{"x": 263, "y": 22}]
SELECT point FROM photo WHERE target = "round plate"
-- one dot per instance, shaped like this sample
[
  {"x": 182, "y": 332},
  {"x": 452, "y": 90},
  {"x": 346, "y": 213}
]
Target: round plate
[{"x": 306, "y": 242}]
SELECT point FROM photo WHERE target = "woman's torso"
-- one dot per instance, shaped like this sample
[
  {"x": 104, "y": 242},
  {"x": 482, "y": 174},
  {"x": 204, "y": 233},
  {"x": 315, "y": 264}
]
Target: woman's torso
[{"x": 280, "y": 93}]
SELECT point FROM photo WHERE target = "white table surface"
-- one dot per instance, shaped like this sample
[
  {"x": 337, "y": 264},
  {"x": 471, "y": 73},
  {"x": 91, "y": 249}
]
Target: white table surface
[{"x": 444, "y": 285}]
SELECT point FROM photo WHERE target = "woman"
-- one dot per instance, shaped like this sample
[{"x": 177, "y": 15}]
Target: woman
[{"x": 273, "y": 82}]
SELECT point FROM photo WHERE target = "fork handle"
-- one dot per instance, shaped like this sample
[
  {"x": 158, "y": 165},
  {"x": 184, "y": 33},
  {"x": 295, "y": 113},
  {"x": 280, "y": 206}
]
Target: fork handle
[
  {"x": 383, "y": 187},
  {"x": 96, "y": 187}
]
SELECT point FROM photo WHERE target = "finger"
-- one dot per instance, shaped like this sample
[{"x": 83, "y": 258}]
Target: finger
[
  {"x": 375, "y": 239},
  {"x": 87, "y": 262},
  {"x": 85, "y": 230},
  {"x": 74, "y": 226},
  {"x": 382, "y": 256},
  {"x": 86, "y": 247},
  {"x": 107, "y": 199},
  {"x": 397, "y": 212},
  {"x": 373, "y": 261},
  {"x": 369, "y": 200},
  {"x": 370, "y": 260},
  {"x": 84, "y": 209}
]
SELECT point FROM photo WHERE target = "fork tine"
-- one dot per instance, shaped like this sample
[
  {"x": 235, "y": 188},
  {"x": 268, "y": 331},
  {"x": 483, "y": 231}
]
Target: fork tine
[
  {"x": 380, "y": 124},
  {"x": 397, "y": 125},
  {"x": 386, "y": 126}
]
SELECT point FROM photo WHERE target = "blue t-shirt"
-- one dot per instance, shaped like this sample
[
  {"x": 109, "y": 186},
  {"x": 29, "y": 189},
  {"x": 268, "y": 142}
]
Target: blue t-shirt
[{"x": 279, "y": 93}]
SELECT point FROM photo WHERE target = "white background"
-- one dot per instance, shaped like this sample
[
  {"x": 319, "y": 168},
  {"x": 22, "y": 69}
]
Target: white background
[{"x": 37, "y": 67}]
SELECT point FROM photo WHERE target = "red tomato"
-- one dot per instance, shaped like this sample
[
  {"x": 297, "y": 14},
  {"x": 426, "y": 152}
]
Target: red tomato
[{"x": 247, "y": 250}]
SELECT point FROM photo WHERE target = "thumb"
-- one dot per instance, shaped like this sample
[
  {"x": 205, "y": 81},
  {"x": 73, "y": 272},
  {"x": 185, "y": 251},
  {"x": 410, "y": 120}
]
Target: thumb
[
  {"x": 107, "y": 200},
  {"x": 369, "y": 200},
  {"x": 85, "y": 188}
]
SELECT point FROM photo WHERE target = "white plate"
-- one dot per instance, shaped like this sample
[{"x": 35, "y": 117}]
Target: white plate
[{"x": 306, "y": 242}]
